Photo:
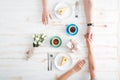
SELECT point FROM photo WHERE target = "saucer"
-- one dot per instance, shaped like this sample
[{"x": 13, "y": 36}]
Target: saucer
[
  {"x": 72, "y": 29},
  {"x": 55, "y": 41}
]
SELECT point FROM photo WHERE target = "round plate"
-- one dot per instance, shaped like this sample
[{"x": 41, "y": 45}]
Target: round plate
[
  {"x": 67, "y": 13},
  {"x": 53, "y": 45},
  {"x": 68, "y": 29},
  {"x": 57, "y": 61}
]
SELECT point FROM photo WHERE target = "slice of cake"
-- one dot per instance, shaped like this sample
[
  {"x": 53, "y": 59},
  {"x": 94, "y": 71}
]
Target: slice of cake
[
  {"x": 61, "y": 11},
  {"x": 64, "y": 61}
]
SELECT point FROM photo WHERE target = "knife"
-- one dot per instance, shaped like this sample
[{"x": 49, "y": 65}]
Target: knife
[
  {"x": 48, "y": 62},
  {"x": 77, "y": 8}
]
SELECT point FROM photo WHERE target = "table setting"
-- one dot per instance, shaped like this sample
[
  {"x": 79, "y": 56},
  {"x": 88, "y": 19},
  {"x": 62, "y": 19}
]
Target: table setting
[
  {"x": 61, "y": 61},
  {"x": 31, "y": 50}
]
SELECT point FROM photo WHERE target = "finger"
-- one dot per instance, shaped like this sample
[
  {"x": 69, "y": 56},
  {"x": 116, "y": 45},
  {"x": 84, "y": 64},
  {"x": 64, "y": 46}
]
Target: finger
[
  {"x": 45, "y": 21},
  {"x": 42, "y": 19},
  {"x": 79, "y": 61},
  {"x": 91, "y": 36},
  {"x": 50, "y": 16},
  {"x": 82, "y": 63},
  {"x": 80, "y": 66},
  {"x": 88, "y": 35},
  {"x": 85, "y": 35}
]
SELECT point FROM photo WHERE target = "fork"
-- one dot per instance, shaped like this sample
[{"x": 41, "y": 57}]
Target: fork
[{"x": 51, "y": 61}]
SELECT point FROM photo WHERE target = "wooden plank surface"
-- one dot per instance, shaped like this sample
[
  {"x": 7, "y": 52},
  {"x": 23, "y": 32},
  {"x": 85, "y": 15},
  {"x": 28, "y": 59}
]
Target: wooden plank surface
[{"x": 20, "y": 19}]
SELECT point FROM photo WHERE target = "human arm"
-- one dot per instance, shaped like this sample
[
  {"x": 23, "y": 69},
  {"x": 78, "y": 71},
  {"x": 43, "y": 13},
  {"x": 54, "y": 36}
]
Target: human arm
[
  {"x": 88, "y": 13},
  {"x": 90, "y": 56},
  {"x": 66, "y": 75},
  {"x": 45, "y": 12},
  {"x": 75, "y": 69}
]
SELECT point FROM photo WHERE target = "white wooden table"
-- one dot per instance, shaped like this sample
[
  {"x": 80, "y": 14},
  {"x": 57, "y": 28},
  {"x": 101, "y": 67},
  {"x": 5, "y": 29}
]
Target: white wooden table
[{"x": 20, "y": 19}]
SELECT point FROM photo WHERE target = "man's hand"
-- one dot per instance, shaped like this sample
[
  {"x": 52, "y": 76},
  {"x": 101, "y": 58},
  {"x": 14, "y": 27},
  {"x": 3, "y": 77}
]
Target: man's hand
[
  {"x": 89, "y": 32},
  {"x": 88, "y": 39},
  {"x": 90, "y": 56},
  {"x": 78, "y": 65},
  {"x": 45, "y": 17}
]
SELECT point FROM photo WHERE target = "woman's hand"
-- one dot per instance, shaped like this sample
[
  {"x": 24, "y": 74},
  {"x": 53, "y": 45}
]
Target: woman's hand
[
  {"x": 90, "y": 56},
  {"x": 78, "y": 65},
  {"x": 45, "y": 16},
  {"x": 88, "y": 39},
  {"x": 89, "y": 32},
  {"x": 76, "y": 68}
]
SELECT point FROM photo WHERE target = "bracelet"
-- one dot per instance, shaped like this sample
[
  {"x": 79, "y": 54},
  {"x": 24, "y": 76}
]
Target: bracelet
[{"x": 90, "y": 24}]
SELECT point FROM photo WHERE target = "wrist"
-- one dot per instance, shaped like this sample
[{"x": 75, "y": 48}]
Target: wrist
[
  {"x": 89, "y": 26},
  {"x": 89, "y": 29},
  {"x": 45, "y": 8}
]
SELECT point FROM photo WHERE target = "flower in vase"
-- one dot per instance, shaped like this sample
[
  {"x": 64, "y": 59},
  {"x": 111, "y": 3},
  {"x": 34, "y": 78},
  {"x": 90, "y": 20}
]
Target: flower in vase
[
  {"x": 35, "y": 42},
  {"x": 38, "y": 39}
]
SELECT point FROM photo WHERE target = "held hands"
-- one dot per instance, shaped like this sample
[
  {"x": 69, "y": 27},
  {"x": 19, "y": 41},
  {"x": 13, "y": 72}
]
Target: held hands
[
  {"x": 81, "y": 63},
  {"x": 45, "y": 16},
  {"x": 78, "y": 66},
  {"x": 88, "y": 39},
  {"x": 89, "y": 32}
]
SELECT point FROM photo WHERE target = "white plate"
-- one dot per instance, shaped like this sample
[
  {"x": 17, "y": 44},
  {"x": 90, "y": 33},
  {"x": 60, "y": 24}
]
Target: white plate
[
  {"x": 58, "y": 59},
  {"x": 67, "y": 13}
]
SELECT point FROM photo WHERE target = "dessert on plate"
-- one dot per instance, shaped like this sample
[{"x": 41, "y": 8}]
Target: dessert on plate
[
  {"x": 61, "y": 11},
  {"x": 64, "y": 60}
]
